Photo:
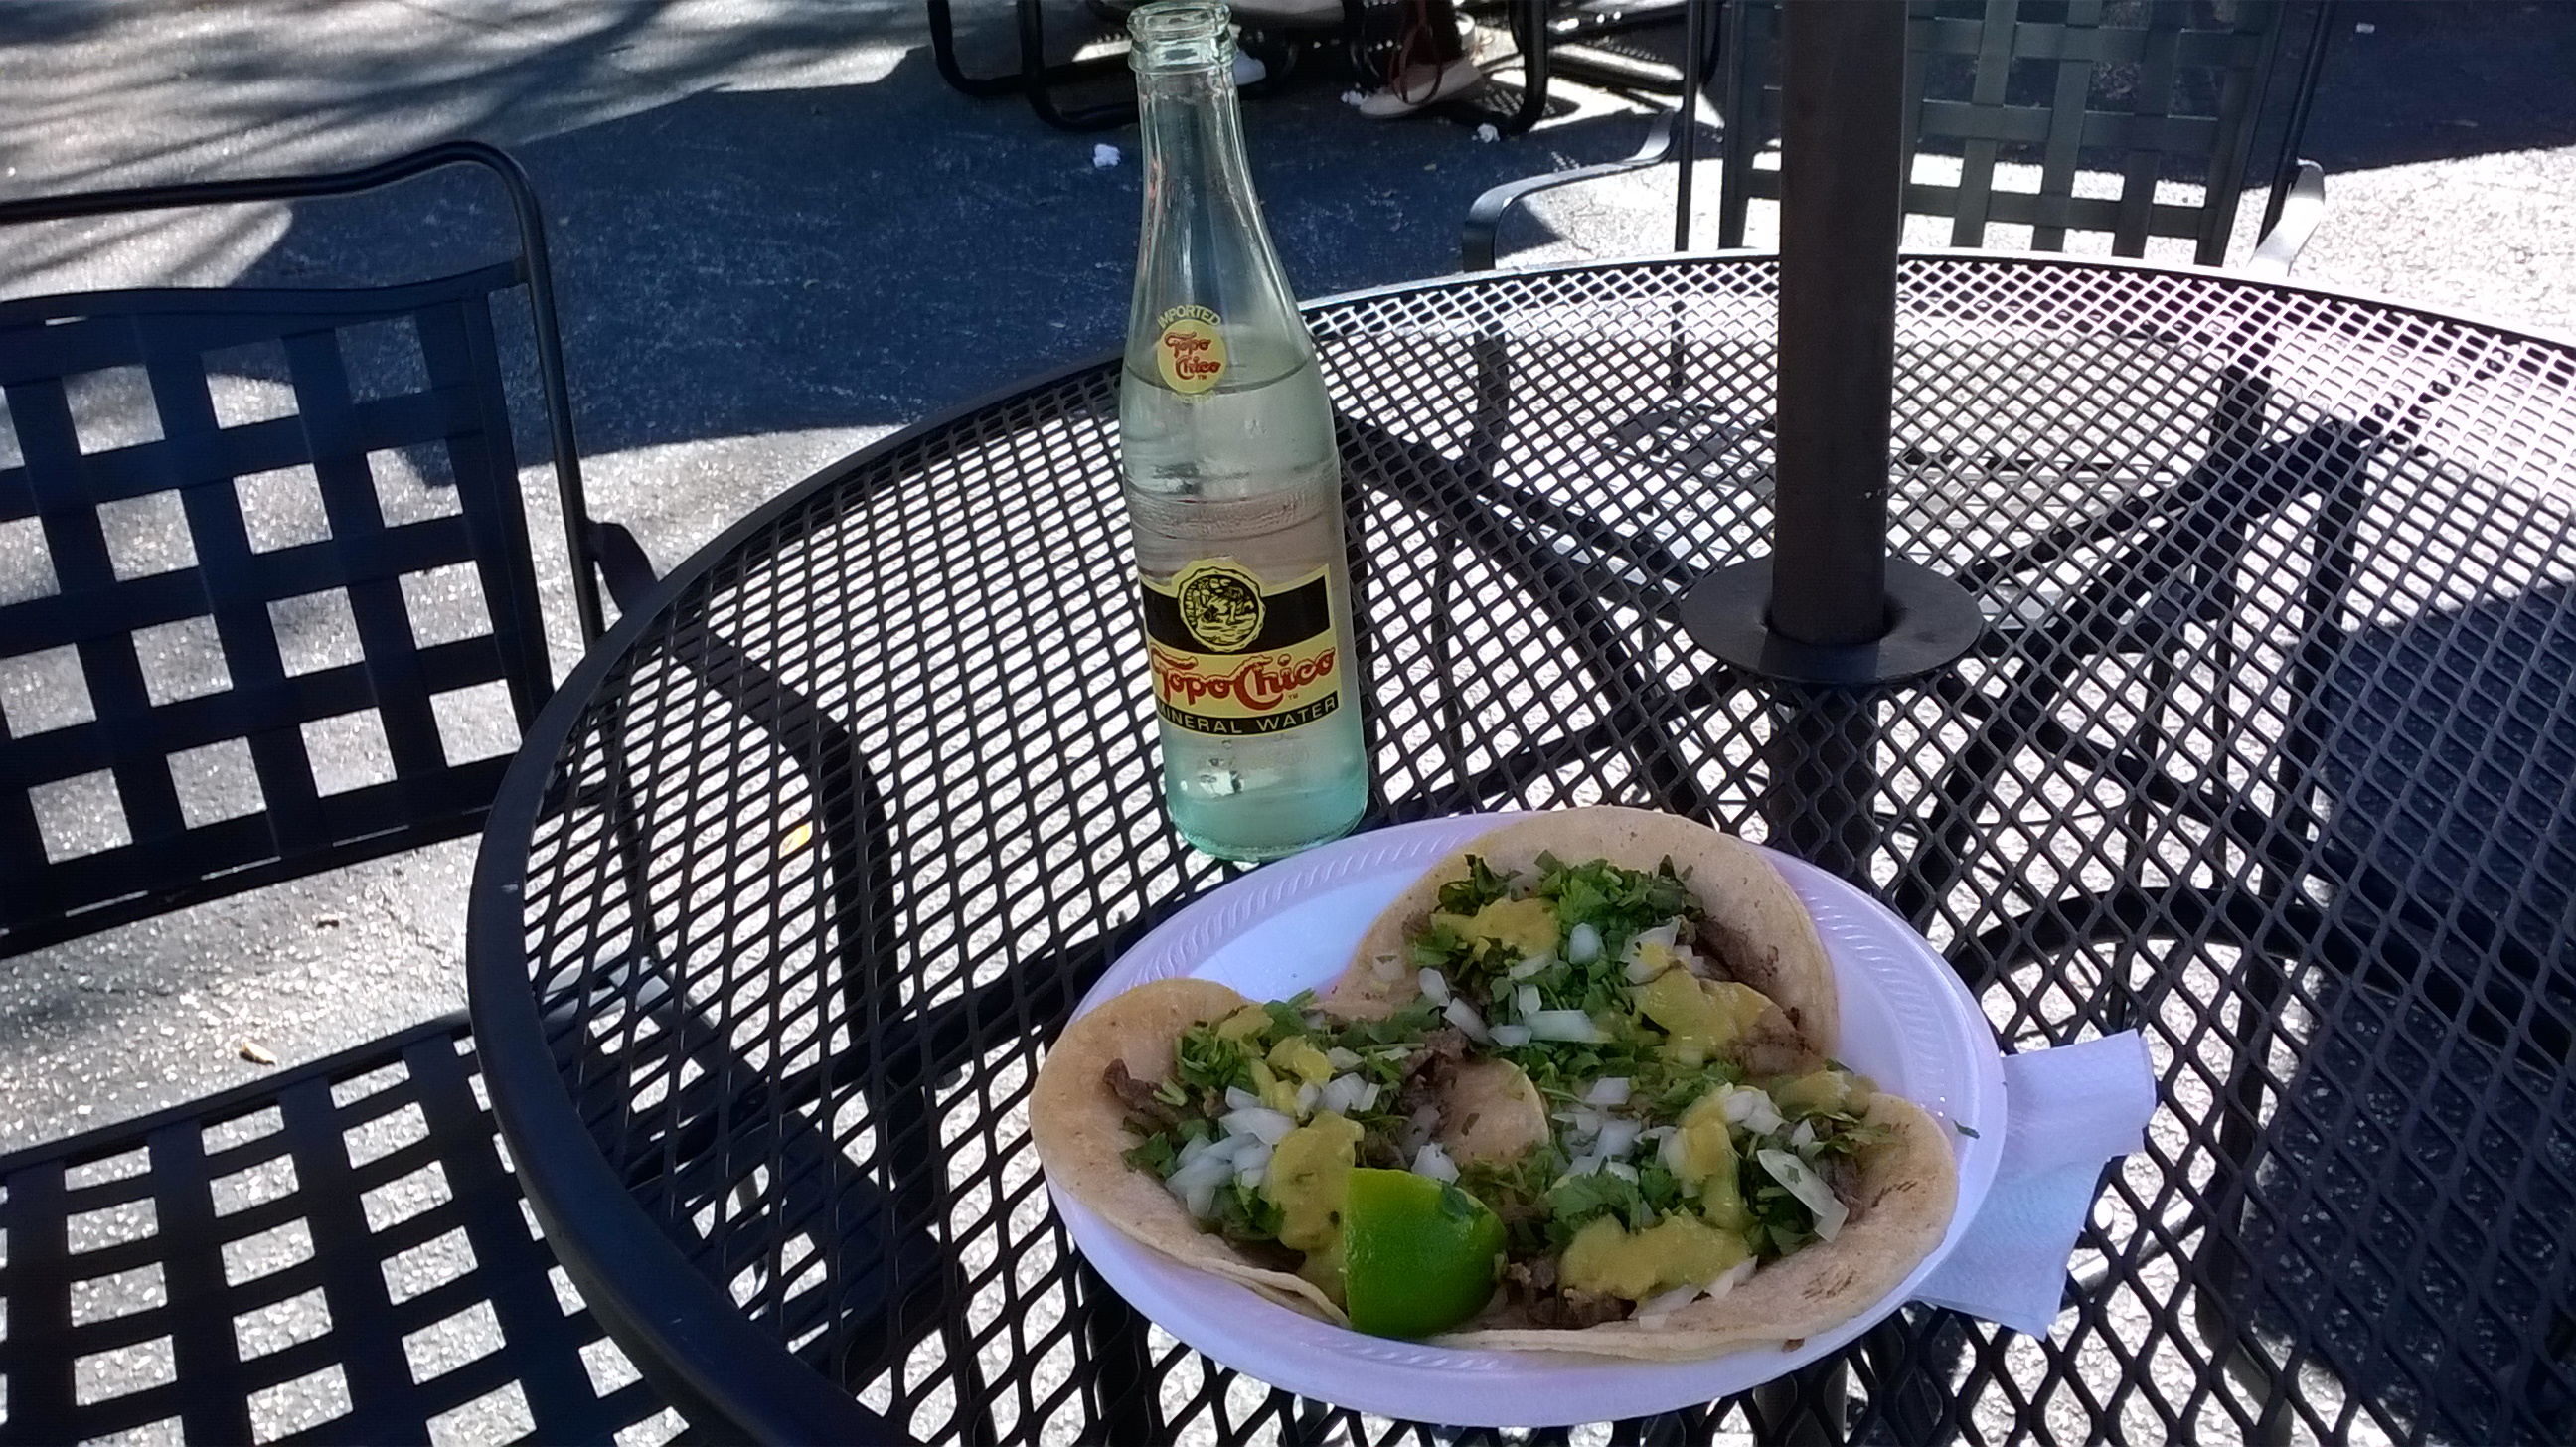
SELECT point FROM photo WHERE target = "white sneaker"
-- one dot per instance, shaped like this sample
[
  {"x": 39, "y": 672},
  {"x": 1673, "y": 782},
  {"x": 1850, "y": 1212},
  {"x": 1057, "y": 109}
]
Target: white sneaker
[{"x": 1420, "y": 87}]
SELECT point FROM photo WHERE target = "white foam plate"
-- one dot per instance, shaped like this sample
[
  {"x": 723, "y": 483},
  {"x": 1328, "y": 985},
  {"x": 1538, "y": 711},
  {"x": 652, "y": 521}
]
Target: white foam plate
[{"x": 1907, "y": 1022}]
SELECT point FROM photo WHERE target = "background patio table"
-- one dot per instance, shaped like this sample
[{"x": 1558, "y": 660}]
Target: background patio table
[{"x": 2266, "y": 752}]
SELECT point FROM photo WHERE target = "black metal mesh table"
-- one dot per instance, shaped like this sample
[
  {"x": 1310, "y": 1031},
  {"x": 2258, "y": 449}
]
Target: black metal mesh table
[{"x": 2266, "y": 752}]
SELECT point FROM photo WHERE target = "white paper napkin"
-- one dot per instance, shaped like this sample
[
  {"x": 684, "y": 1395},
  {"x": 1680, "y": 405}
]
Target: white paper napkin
[{"x": 2067, "y": 1111}]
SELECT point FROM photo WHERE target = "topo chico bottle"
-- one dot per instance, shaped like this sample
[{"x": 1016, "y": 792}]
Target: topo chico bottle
[{"x": 1232, "y": 484}]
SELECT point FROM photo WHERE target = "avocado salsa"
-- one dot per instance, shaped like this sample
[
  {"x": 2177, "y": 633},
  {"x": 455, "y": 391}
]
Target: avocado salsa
[{"x": 1644, "y": 1130}]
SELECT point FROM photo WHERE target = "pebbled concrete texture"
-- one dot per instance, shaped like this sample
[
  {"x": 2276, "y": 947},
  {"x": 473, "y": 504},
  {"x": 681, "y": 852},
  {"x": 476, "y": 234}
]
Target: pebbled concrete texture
[{"x": 780, "y": 236}]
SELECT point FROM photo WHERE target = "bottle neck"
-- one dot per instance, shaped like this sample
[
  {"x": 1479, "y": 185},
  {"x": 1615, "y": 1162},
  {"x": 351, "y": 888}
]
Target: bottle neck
[
  {"x": 1193, "y": 134},
  {"x": 1205, "y": 256}
]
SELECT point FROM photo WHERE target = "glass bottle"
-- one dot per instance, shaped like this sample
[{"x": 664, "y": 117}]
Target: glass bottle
[{"x": 1233, "y": 486}]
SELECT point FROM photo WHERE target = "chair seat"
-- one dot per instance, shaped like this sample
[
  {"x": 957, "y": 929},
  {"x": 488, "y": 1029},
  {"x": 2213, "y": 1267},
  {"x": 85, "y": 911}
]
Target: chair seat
[{"x": 335, "y": 1253}]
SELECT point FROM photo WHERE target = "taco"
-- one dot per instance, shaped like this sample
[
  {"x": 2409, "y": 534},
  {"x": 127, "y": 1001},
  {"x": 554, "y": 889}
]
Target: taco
[{"x": 1605, "y": 1034}]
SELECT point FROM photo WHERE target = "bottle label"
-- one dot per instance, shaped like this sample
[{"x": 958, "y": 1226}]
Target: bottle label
[
  {"x": 1234, "y": 656},
  {"x": 1190, "y": 350}
]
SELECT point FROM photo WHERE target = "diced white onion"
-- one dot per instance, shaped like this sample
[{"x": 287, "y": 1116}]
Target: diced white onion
[
  {"x": 1659, "y": 1132},
  {"x": 1810, "y": 1189},
  {"x": 1193, "y": 1148},
  {"x": 1464, "y": 1016},
  {"x": 1610, "y": 1090},
  {"x": 1582, "y": 1122},
  {"x": 1213, "y": 1166},
  {"x": 1197, "y": 1183},
  {"x": 1729, "y": 1279},
  {"x": 1566, "y": 1025},
  {"x": 1804, "y": 1136},
  {"x": 1666, "y": 934},
  {"x": 1341, "y": 1059},
  {"x": 1419, "y": 1126},
  {"x": 1583, "y": 944},
  {"x": 1510, "y": 1037},
  {"x": 1367, "y": 1097},
  {"x": 1336, "y": 1094},
  {"x": 1341, "y": 1094},
  {"x": 1621, "y": 1169},
  {"x": 1435, "y": 986},
  {"x": 1530, "y": 967},
  {"x": 1434, "y": 1162},
  {"x": 1750, "y": 1108},
  {"x": 1238, "y": 1098},
  {"x": 1652, "y": 1311},
  {"x": 1255, "y": 1176},
  {"x": 1251, "y": 1158},
  {"x": 1640, "y": 971},
  {"x": 1618, "y": 1137},
  {"x": 1526, "y": 1001},
  {"x": 1258, "y": 1121},
  {"x": 1583, "y": 1165},
  {"x": 1670, "y": 1153},
  {"x": 1307, "y": 1095}
]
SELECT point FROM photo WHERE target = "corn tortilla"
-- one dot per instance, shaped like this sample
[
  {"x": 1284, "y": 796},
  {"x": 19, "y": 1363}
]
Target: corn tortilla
[
  {"x": 1756, "y": 931},
  {"x": 1081, "y": 1131},
  {"x": 1908, "y": 1187}
]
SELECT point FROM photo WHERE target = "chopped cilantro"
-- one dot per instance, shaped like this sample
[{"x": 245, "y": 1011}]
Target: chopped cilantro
[
  {"x": 1288, "y": 1017},
  {"x": 1441, "y": 948},
  {"x": 1481, "y": 887},
  {"x": 1663, "y": 1194},
  {"x": 1156, "y": 1154},
  {"x": 1205, "y": 1060},
  {"x": 1243, "y": 1213},
  {"x": 1781, "y": 1222},
  {"x": 1573, "y": 1203}
]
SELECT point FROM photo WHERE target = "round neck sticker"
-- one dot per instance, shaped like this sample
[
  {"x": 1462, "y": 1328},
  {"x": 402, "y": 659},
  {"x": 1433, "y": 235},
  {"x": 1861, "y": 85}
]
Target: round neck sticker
[{"x": 1190, "y": 352}]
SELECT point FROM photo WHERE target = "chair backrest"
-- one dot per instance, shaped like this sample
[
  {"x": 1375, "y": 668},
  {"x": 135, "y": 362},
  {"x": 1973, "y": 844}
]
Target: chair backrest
[
  {"x": 249, "y": 630},
  {"x": 2143, "y": 90}
]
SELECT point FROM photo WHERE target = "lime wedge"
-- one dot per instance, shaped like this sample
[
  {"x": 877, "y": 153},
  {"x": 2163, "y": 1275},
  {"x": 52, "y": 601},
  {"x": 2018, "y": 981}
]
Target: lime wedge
[{"x": 1419, "y": 1256}]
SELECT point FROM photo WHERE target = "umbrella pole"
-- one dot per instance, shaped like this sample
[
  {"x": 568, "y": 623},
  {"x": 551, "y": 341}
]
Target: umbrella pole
[{"x": 1829, "y": 605}]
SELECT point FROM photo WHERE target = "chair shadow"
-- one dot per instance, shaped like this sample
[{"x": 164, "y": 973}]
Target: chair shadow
[{"x": 2410, "y": 1215}]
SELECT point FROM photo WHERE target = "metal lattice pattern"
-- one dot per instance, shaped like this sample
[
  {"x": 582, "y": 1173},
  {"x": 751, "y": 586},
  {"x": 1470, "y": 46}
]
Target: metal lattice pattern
[
  {"x": 2266, "y": 754},
  {"x": 267, "y": 604},
  {"x": 340, "y": 1256},
  {"x": 2144, "y": 90}
]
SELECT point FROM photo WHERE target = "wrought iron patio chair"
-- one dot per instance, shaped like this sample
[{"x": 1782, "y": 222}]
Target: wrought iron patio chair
[
  {"x": 2173, "y": 94},
  {"x": 280, "y": 1260},
  {"x": 2065, "y": 86}
]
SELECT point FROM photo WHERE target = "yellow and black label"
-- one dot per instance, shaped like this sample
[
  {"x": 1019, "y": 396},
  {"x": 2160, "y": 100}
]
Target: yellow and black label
[
  {"x": 1233, "y": 655},
  {"x": 1189, "y": 350}
]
